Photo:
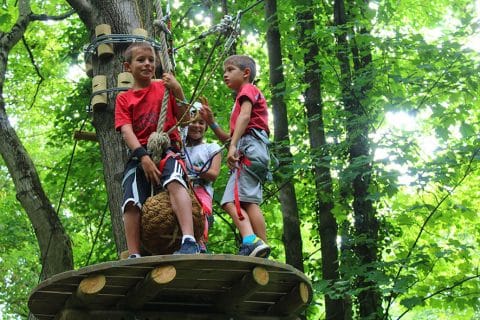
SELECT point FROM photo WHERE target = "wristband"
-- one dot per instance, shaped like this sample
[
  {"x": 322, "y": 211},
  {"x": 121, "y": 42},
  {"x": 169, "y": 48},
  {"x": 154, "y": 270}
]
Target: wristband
[
  {"x": 139, "y": 153},
  {"x": 214, "y": 126}
]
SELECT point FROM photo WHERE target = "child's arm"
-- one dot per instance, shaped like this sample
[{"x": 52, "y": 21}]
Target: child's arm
[
  {"x": 212, "y": 173},
  {"x": 207, "y": 115},
  {"x": 240, "y": 126},
  {"x": 174, "y": 86},
  {"x": 151, "y": 171}
]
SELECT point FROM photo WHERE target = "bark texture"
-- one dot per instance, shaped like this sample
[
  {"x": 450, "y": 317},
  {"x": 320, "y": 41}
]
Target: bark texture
[
  {"x": 355, "y": 85},
  {"x": 291, "y": 224},
  {"x": 54, "y": 243},
  {"x": 327, "y": 224}
]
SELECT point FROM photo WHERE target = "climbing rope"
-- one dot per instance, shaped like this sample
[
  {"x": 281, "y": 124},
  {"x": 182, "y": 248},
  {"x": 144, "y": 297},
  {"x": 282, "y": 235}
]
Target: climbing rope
[{"x": 159, "y": 141}]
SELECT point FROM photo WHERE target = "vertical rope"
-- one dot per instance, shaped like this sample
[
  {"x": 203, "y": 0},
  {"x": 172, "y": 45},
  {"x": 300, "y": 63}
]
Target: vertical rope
[
  {"x": 162, "y": 28},
  {"x": 159, "y": 141}
]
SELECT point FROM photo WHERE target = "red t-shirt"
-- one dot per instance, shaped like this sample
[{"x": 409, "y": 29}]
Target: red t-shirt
[
  {"x": 259, "y": 115},
  {"x": 141, "y": 109}
]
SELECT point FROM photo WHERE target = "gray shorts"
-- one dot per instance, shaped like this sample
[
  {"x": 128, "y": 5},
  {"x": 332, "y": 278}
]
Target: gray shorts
[{"x": 251, "y": 177}]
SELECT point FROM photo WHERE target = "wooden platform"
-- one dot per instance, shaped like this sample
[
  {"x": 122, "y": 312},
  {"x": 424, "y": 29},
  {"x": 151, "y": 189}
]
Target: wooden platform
[{"x": 175, "y": 287}]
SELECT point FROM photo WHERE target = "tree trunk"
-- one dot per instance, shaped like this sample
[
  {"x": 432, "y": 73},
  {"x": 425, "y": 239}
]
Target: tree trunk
[
  {"x": 327, "y": 224},
  {"x": 123, "y": 17},
  {"x": 365, "y": 221},
  {"x": 54, "y": 243},
  {"x": 291, "y": 225}
]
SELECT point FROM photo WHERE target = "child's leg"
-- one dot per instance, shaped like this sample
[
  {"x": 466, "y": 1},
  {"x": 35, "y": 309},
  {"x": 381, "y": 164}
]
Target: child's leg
[
  {"x": 136, "y": 189},
  {"x": 244, "y": 226},
  {"x": 181, "y": 206},
  {"x": 257, "y": 220},
  {"x": 131, "y": 221}
]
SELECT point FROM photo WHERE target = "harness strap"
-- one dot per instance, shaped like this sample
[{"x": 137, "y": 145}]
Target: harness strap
[
  {"x": 161, "y": 166},
  {"x": 243, "y": 161}
]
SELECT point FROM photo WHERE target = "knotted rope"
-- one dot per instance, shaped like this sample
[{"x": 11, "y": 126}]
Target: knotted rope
[{"x": 159, "y": 141}]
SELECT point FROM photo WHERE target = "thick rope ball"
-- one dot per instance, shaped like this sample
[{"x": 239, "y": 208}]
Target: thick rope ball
[
  {"x": 160, "y": 231},
  {"x": 158, "y": 142}
]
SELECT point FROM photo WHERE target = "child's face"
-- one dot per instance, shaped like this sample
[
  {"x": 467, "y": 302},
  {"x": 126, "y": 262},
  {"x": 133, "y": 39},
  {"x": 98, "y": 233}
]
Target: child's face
[
  {"x": 196, "y": 129},
  {"x": 233, "y": 77},
  {"x": 142, "y": 66}
]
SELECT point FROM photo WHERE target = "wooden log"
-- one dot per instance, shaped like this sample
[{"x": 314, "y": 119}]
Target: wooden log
[
  {"x": 85, "y": 135},
  {"x": 99, "y": 83},
  {"x": 124, "y": 255},
  {"x": 125, "y": 80},
  {"x": 140, "y": 32},
  {"x": 104, "y": 50},
  {"x": 293, "y": 301},
  {"x": 243, "y": 289},
  {"x": 147, "y": 289},
  {"x": 87, "y": 291}
]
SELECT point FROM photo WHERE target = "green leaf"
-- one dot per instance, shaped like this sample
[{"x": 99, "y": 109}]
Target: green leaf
[{"x": 412, "y": 302}]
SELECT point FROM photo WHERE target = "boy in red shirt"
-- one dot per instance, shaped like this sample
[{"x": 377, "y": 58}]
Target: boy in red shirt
[
  {"x": 136, "y": 117},
  {"x": 247, "y": 156}
]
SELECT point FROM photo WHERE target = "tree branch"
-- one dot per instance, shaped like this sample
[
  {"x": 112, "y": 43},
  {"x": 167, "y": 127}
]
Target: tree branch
[
  {"x": 468, "y": 170},
  {"x": 37, "y": 70},
  {"x": 447, "y": 288},
  {"x": 9, "y": 39},
  {"x": 85, "y": 11},
  {"x": 45, "y": 17}
]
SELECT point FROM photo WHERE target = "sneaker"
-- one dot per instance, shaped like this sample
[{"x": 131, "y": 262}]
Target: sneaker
[
  {"x": 134, "y": 255},
  {"x": 188, "y": 247},
  {"x": 257, "y": 249}
]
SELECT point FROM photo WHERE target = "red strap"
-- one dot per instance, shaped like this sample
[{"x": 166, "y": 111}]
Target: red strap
[
  {"x": 161, "y": 166},
  {"x": 205, "y": 229},
  {"x": 243, "y": 160},
  {"x": 162, "y": 163}
]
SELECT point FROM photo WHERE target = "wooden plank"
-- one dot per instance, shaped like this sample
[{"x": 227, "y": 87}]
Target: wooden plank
[
  {"x": 241, "y": 290},
  {"x": 293, "y": 301},
  {"x": 155, "y": 315},
  {"x": 198, "y": 283}
]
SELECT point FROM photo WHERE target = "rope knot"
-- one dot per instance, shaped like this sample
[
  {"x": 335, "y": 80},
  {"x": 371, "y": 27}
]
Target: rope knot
[{"x": 158, "y": 143}]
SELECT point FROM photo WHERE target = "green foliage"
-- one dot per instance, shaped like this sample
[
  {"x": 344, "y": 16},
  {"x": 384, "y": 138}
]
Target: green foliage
[{"x": 422, "y": 110}]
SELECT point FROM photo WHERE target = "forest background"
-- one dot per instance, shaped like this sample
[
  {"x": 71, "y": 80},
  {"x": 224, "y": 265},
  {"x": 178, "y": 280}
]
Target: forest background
[{"x": 375, "y": 121}]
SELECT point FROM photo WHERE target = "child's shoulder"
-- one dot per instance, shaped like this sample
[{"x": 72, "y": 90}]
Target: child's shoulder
[{"x": 249, "y": 87}]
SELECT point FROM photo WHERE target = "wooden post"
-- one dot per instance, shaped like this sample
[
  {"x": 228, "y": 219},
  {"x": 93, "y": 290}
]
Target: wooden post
[
  {"x": 140, "y": 32},
  {"x": 85, "y": 135},
  {"x": 125, "y": 80},
  {"x": 86, "y": 292},
  {"x": 104, "y": 50},
  {"x": 243, "y": 289},
  {"x": 293, "y": 301},
  {"x": 147, "y": 289},
  {"x": 99, "y": 83}
]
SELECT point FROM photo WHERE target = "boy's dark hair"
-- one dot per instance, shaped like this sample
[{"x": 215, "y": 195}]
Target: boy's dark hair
[
  {"x": 243, "y": 62},
  {"x": 128, "y": 52}
]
